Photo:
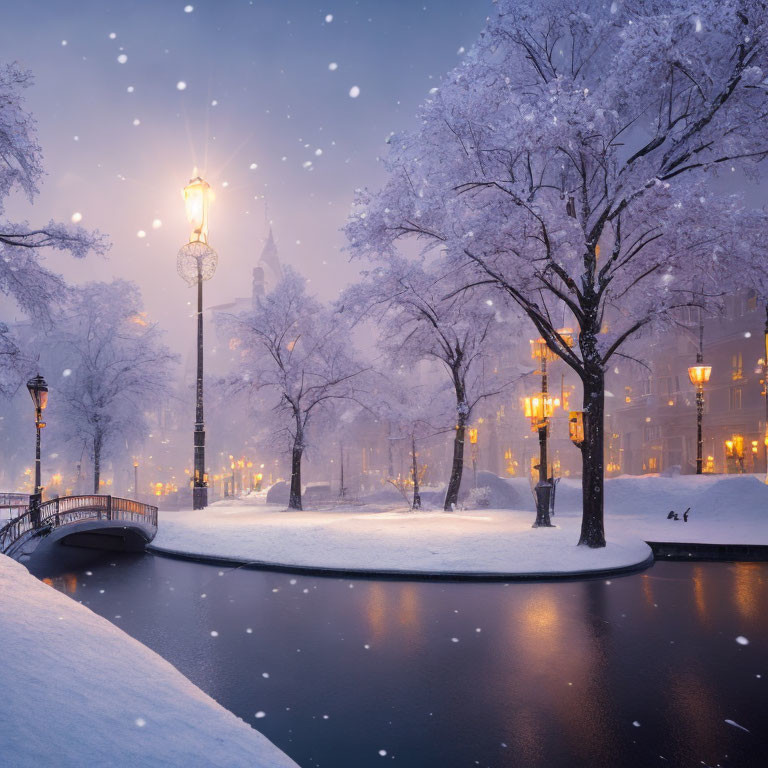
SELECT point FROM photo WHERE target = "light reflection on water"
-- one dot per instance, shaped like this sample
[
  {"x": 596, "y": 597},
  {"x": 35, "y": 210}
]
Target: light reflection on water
[{"x": 556, "y": 675}]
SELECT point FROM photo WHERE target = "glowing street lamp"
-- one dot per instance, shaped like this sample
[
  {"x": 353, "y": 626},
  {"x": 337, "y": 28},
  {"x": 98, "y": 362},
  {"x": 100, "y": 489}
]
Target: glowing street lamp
[
  {"x": 699, "y": 375},
  {"x": 38, "y": 391},
  {"x": 197, "y": 197},
  {"x": 576, "y": 427},
  {"x": 196, "y": 262},
  {"x": 539, "y": 409}
]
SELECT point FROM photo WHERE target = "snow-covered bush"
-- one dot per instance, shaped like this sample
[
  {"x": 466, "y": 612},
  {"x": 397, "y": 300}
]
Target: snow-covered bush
[{"x": 479, "y": 498}]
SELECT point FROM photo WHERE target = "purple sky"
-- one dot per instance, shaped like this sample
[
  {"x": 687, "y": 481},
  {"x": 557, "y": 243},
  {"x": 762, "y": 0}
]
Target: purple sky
[{"x": 258, "y": 90}]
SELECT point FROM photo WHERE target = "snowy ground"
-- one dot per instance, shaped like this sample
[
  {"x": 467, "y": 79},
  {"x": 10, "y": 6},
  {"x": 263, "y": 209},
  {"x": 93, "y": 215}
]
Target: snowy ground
[
  {"x": 78, "y": 691},
  {"x": 385, "y": 536},
  {"x": 381, "y": 538}
]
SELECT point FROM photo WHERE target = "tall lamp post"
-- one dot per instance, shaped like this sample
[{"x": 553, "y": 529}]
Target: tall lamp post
[
  {"x": 699, "y": 375},
  {"x": 196, "y": 262},
  {"x": 38, "y": 390}
]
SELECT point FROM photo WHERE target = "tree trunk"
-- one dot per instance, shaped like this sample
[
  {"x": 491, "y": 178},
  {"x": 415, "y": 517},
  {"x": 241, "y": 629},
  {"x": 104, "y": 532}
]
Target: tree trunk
[
  {"x": 294, "y": 501},
  {"x": 452, "y": 495},
  {"x": 592, "y": 458},
  {"x": 96, "y": 462},
  {"x": 416, "y": 494}
]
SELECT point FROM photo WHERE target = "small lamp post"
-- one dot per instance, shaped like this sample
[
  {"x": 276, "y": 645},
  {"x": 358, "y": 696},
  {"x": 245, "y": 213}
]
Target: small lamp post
[
  {"x": 539, "y": 408},
  {"x": 699, "y": 375},
  {"x": 38, "y": 390},
  {"x": 576, "y": 427},
  {"x": 136, "y": 478},
  {"x": 196, "y": 262}
]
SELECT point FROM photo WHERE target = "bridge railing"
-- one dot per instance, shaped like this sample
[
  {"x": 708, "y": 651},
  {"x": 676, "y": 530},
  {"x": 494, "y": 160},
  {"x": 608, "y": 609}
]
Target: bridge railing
[
  {"x": 70, "y": 509},
  {"x": 13, "y": 499},
  {"x": 13, "y": 504}
]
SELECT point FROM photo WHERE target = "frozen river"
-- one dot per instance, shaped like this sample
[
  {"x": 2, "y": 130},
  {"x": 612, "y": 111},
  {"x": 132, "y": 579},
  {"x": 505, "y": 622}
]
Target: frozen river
[{"x": 640, "y": 670}]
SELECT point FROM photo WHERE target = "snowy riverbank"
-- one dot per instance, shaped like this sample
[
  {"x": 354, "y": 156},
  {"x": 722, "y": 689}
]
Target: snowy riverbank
[
  {"x": 78, "y": 691},
  {"x": 385, "y": 536}
]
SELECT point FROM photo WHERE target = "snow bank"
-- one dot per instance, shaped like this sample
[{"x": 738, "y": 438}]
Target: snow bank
[
  {"x": 392, "y": 539},
  {"x": 724, "y": 509},
  {"x": 78, "y": 691}
]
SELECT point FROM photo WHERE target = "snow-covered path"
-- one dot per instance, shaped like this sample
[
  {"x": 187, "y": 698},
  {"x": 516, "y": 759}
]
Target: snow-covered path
[{"x": 78, "y": 691}]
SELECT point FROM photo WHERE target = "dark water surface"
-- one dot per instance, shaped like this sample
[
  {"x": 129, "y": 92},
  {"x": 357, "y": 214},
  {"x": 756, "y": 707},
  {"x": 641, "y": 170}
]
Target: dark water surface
[{"x": 639, "y": 670}]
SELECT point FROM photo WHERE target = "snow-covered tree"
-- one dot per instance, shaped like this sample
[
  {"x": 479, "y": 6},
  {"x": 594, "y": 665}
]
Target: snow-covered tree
[
  {"x": 22, "y": 274},
  {"x": 413, "y": 413},
  {"x": 420, "y": 316},
  {"x": 114, "y": 368},
  {"x": 299, "y": 353},
  {"x": 569, "y": 160}
]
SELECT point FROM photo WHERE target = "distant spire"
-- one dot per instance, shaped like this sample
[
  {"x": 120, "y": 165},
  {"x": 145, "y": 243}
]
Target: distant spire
[
  {"x": 268, "y": 270},
  {"x": 269, "y": 259}
]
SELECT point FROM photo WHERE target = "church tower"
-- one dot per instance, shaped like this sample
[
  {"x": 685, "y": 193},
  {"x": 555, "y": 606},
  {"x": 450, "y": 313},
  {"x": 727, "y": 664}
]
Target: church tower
[{"x": 268, "y": 270}]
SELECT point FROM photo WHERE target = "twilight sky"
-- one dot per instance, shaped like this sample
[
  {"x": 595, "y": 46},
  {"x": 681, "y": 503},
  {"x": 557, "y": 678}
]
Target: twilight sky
[{"x": 131, "y": 96}]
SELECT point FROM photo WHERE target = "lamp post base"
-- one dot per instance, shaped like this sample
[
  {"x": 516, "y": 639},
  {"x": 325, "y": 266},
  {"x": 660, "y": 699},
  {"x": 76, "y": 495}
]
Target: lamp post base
[
  {"x": 35, "y": 500},
  {"x": 200, "y": 497},
  {"x": 543, "y": 499}
]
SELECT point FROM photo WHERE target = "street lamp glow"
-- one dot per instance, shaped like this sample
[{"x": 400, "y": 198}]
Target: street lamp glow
[
  {"x": 539, "y": 408},
  {"x": 699, "y": 374},
  {"x": 197, "y": 197},
  {"x": 576, "y": 427}
]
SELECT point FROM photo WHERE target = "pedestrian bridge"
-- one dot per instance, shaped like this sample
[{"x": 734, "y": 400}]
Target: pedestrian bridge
[{"x": 101, "y": 522}]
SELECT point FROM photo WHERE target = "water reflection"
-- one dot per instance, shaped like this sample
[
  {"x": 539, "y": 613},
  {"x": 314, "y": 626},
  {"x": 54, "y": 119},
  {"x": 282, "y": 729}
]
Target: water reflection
[
  {"x": 697, "y": 580},
  {"x": 693, "y": 711},
  {"x": 454, "y": 674},
  {"x": 66, "y": 583},
  {"x": 749, "y": 588}
]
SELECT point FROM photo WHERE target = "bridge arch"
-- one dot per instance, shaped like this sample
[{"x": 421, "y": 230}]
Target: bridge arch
[{"x": 104, "y": 522}]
